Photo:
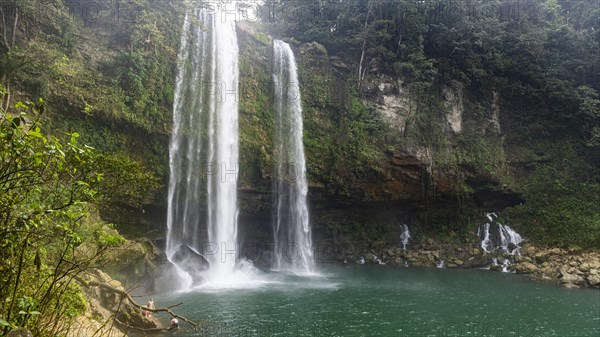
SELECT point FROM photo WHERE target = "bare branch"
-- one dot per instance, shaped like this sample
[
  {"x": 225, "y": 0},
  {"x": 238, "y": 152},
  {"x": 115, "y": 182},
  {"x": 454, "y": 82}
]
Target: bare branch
[{"x": 127, "y": 296}]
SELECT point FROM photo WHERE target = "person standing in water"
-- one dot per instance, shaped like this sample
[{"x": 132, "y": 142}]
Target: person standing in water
[{"x": 150, "y": 305}]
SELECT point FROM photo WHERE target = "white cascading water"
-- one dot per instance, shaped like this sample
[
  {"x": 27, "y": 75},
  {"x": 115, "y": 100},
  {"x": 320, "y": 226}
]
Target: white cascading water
[
  {"x": 204, "y": 148},
  {"x": 507, "y": 240},
  {"x": 405, "y": 236},
  {"x": 378, "y": 260},
  {"x": 291, "y": 226},
  {"x": 486, "y": 243}
]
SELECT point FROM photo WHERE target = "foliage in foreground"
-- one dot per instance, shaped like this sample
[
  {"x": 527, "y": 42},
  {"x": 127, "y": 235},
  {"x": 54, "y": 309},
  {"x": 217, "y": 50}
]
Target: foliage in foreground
[{"x": 47, "y": 187}]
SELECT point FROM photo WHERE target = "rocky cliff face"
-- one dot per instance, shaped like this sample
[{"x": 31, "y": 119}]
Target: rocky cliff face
[
  {"x": 367, "y": 173},
  {"x": 362, "y": 154}
]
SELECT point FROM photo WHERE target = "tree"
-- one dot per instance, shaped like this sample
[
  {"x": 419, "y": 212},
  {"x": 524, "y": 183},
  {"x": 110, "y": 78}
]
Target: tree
[{"x": 47, "y": 187}]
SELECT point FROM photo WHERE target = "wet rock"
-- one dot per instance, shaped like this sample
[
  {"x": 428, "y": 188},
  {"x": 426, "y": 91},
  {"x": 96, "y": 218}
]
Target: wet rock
[
  {"x": 496, "y": 267},
  {"x": 116, "y": 284},
  {"x": 191, "y": 261},
  {"x": 570, "y": 285},
  {"x": 528, "y": 250},
  {"x": 556, "y": 251},
  {"x": 594, "y": 280},
  {"x": 584, "y": 267},
  {"x": 105, "y": 304},
  {"x": 541, "y": 257},
  {"x": 525, "y": 268},
  {"x": 19, "y": 332},
  {"x": 569, "y": 279}
]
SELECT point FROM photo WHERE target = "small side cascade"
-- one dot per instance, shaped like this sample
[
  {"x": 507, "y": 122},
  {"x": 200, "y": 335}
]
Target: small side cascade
[
  {"x": 441, "y": 264},
  {"x": 505, "y": 265},
  {"x": 405, "y": 236},
  {"x": 499, "y": 238},
  {"x": 377, "y": 259},
  {"x": 510, "y": 240},
  {"x": 486, "y": 243},
  {"x": 361, "y": 260}
]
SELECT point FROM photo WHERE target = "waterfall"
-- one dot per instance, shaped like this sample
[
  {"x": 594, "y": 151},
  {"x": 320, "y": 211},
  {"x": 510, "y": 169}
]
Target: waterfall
[
  {"x": 486, "y": 243},
  {"x": 203, "y": 153},
  {"x": 405, "y": 236},
  {"x": 505, "y": 239},
  {"x": 509, "y": 240},
  {"x": 291, "y": 225}
]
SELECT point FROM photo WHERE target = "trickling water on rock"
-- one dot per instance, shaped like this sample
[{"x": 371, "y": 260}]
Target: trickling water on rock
[
  {"x": 291, "y": 225},
  {"x": 405, "y": 236},
  {"x": 204, "y": 148}
]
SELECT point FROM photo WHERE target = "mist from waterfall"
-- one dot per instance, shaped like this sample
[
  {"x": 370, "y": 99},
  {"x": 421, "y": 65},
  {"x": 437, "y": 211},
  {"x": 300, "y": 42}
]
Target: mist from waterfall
[
  {"x": 291, "y": 224},
  {"x": 204, "y": 150}
]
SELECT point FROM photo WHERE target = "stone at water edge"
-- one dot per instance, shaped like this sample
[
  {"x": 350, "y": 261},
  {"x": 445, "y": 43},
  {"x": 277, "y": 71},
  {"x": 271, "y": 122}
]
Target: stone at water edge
[
  {"x": 594, "y": 280},
  {"x": 496, "y": 267},
  {"x": 570, "y": 279},
  {"x": 457, "y": 262},
  {"x": 525, "y": 268}
]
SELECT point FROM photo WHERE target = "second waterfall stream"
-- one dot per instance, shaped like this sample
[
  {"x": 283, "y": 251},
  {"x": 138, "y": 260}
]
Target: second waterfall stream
[{"x": 291, "y": 223}]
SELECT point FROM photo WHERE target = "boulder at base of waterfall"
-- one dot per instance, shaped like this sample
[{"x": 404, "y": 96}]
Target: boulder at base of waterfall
[{"x": 191, "y": 262}]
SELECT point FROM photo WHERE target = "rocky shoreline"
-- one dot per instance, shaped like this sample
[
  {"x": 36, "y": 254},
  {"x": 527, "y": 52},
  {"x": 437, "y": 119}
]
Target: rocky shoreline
[{"x": 571, "y": 268}]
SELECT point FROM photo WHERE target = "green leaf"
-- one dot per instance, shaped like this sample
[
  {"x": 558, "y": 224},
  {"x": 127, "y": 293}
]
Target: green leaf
[{"x": 20, "y": 105}]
